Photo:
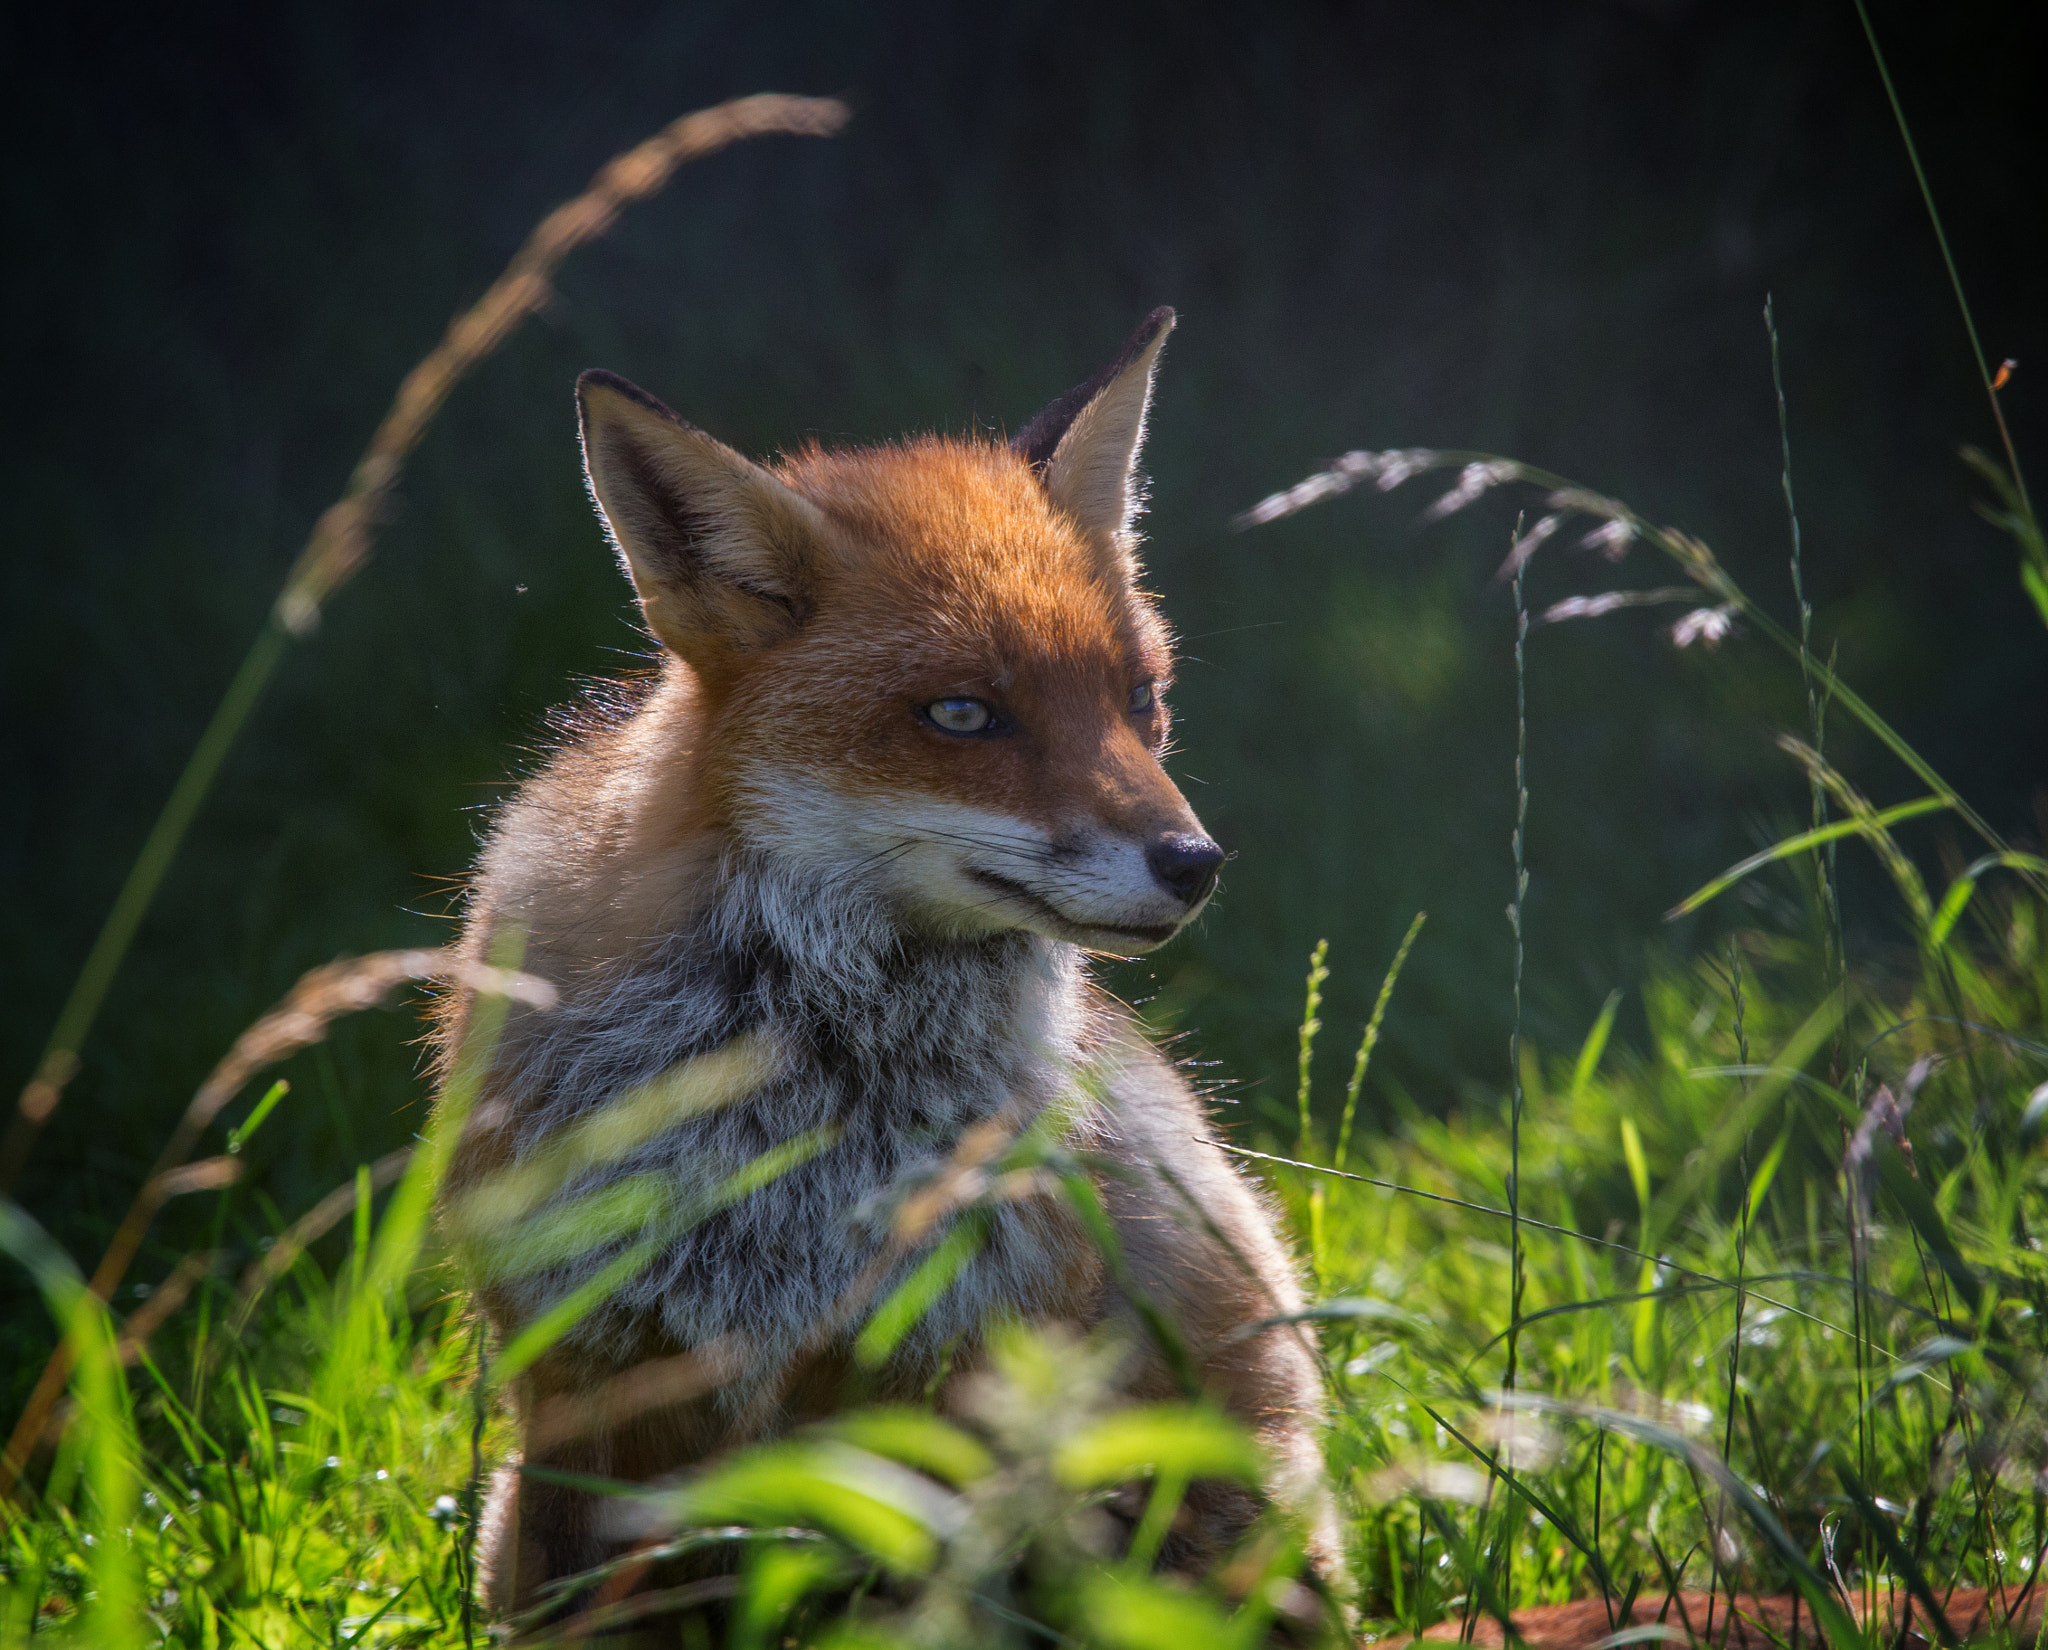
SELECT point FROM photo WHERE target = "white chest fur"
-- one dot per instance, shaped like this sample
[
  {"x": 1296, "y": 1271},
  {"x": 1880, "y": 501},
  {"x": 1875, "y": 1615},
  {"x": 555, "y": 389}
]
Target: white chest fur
[{"x": 885, "y": 1046}]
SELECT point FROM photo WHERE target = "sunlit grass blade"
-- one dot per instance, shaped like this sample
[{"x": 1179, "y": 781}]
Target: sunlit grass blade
[
  {"x": 777, "y": 1578},
  {"x": 106, "y": 1423},
  {"x": 705, "y": 1083},
  {"x": 520, "y": 1353},
  {"x": 915, "y": 1295},
  {"x": 1345, "y": 1309},
  {"x": 875, "y": 1505},
  {"x": 1368, "y": 1042},
  {"x": 1953, "y": 902},
  {"x": 1133, "y": 1443},
  {"x": 404, "y": 1226},
  {"x": 1136, "y": 1613},
  {"x": 1800, "y": 844},
  {"x": 918, "y": 1439},
  {"x": 1592, "y": 1048},
  {"x": 239, "y": 1135}
]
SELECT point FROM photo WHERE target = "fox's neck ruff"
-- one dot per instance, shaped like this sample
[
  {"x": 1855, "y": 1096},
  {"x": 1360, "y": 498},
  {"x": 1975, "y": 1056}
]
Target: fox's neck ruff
[
  {"x": 912, "y": 1030},
  {"x": 893, "y": 1042}
]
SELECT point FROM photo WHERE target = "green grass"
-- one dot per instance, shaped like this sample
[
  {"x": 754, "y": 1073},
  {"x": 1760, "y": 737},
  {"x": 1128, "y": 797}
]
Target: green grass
[
  {"x": 1755, "y": 1301},
  {"x": 1780, "y": 1324}
]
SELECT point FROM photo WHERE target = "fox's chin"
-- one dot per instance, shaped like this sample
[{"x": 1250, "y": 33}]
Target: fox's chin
[
  {"x": 1024, "y": 908},
  {"x": 1122, "y": 942}
]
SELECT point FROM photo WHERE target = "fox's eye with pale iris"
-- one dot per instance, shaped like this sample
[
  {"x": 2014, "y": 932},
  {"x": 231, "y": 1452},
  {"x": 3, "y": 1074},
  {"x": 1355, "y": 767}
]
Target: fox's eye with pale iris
[
  {"x": 959, "y": 715},
  {"x": 1142, "y": 698}
]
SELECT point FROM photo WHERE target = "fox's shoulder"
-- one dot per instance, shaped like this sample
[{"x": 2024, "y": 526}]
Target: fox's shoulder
[{"x": 605, "y": 844}]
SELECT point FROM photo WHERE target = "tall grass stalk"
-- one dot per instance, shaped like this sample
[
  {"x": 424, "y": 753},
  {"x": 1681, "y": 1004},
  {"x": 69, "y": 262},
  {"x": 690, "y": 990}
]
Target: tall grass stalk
[
  {"x": 1740, "y": 1025},
  {"x": 1955, "y": 279},
  {"x": 107, "y": 1438},
  {"x": 1370, "y": 1040},
  {"x": 1305, "y": 1039},
  {"x": 1825, "y": 865},
  {"x": 1500, "y": 1557},
  {"x": 2010, "y": 483},
  {"x": 346, "y": 532},
  {"x": 1515, "y": 919},
  {"x": 1305, "y": 1047},
  {"x": 1826, "y": 881}
]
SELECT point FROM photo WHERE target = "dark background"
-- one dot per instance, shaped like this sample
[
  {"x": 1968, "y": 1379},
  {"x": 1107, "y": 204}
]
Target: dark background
[{"x": 1545, "y": 230}]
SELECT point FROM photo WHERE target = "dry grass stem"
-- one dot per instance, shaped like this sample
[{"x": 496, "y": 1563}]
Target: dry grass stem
[
  {"x": 1613, "y": 601},
  {"x": 322, "y": 996},
  {"x": 163, "y": 1300},
  {"x": 635, "y": 1392},
  {"x": 342, "y": 538},
  {"x": 702, "y": 1084},
  {"x": 313, "y": 1225}
]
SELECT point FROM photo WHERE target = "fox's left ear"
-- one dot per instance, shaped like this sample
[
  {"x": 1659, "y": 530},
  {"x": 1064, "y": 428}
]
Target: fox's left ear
[
  {"x": 724, "y": 556},
  {"x": 1085, "y": 445}
]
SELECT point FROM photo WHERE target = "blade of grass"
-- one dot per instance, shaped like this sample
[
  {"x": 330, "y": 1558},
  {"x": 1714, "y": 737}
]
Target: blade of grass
[
  {"x": 1318, "y": 972},
  {"x": 537, "y": 1337},
  {"x": 114, "y": 1618},
  {"x": 1800, "y": 844},
  {"x": 910, "y": 1300},
  {"x": 1561, "y": 1231},
  {"x": 1370, "y": 1040},
  {"x": 1955, "y": 279},
  {"x": 1592, "y": 1048},
  {"x": 1826, "y": 883},
  {"x": 239, "y": 1135},
  {"x": 1958, "y": 895}
]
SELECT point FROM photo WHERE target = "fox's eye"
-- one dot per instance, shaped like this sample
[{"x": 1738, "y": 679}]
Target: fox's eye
[
  {"x": 959, "y": 715},
  {"x": 1141, "y": 698}
]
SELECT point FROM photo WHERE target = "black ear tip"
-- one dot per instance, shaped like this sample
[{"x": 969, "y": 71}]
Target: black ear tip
[
  {"x": 1037, "y": 439},
  {"x": 1151, "y": 332},
  {"x": 597, "y": 378}
]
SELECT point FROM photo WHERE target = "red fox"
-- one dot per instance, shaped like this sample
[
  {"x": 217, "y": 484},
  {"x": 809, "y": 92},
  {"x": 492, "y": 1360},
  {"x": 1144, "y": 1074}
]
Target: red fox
[{"x": 898, "y": 776}]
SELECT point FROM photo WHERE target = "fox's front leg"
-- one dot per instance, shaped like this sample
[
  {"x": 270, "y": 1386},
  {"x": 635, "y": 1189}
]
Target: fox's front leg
[
  {"x": 536, "y": 1531},
  {"x": 1198, "y": 1241},
  {"x": 539, "y": 1531}
]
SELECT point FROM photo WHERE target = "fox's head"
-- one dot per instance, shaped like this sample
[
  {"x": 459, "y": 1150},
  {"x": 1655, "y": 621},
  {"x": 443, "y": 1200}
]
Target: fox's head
[{"x": 927, "y": 667}]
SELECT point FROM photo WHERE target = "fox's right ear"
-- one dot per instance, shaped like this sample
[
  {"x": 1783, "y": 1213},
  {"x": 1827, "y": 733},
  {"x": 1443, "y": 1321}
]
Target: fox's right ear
[
  {"x": 1084, "y": 447},
  {"x": 724, "y": 556}
]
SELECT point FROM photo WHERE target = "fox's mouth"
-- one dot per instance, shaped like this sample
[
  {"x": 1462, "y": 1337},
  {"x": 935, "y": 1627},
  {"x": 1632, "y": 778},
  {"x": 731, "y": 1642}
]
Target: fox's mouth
[{"x": 1025, "y": 896}]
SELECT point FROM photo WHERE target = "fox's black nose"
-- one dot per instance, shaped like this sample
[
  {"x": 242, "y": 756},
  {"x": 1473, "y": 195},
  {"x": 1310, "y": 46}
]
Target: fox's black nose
[{"x": 1186, "y": 864}]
